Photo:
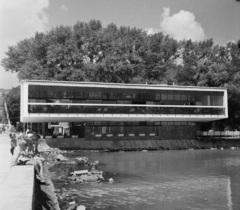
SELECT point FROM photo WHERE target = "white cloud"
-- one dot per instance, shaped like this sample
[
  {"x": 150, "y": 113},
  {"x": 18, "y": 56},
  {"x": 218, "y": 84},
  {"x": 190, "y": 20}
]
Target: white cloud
[
  {"x": 64, "y": 8},
  {"x": 181, "y": 25},
  {"x": 19, "y": 19},
  {"x": 151, "y": 31}
]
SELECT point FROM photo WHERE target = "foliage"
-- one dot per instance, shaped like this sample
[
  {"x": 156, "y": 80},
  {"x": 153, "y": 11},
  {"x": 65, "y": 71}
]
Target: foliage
[
  {"x": 89, "y": 52},
  {"x": 13, "y": 104}
]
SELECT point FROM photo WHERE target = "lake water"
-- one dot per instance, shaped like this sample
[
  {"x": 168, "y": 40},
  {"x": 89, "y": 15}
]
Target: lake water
[{"x": 166, "y": 180}]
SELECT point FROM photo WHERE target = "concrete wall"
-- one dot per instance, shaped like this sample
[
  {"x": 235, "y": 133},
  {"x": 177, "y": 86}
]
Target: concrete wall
[{"x": 17, "y": 191}]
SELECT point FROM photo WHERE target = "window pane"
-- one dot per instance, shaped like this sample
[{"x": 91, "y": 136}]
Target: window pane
[
  {"x": 171, "y": 95},
  {"x": 163, "y": 95}
]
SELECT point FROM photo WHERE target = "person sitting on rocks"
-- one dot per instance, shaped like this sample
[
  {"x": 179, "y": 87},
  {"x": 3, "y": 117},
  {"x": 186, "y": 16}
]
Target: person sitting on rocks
[
  {"x": 13, "y": 142},
  {"x": 24, "y": 156}
]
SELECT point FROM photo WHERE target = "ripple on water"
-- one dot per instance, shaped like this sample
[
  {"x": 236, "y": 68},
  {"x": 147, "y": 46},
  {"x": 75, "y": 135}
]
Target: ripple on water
[{"x": 202, "y": 193}]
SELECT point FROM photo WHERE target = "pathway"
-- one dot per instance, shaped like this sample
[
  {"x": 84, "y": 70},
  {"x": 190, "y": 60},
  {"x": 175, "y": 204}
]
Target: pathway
[{"x": 5, "y": 156}]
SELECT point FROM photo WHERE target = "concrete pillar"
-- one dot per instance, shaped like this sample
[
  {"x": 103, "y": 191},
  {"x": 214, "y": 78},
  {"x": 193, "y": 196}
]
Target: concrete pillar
[
  {"x": 43, "y": 130},
  {"x": 38, "y": 127},
  {"x": 71, "y": 128}
]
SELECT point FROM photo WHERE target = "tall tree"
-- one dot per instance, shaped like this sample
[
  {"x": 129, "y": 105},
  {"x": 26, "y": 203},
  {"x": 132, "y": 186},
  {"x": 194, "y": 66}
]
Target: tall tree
[{"x": 13, "y": 104}]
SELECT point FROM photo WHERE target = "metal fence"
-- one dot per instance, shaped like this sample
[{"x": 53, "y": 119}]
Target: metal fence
[{"x": 218, "y": 134}]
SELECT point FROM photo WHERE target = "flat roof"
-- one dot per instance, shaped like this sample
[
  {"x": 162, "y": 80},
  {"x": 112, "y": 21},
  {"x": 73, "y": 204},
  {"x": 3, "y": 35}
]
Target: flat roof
[{"x": 125, "y": 85}]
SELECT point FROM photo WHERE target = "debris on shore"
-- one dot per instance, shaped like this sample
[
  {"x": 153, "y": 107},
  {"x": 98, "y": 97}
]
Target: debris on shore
[{"x": 85, "y": 176}]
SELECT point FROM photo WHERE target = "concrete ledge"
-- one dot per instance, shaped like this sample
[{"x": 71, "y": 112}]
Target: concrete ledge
[{"x": 17, "y": 191}]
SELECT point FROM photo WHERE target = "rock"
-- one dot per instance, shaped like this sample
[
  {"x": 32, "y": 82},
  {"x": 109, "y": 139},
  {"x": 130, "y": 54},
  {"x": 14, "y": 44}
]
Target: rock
[
  {"x": 95, "y": 163},
  {"x": 90, "y": 178},
  {"x": 111, "y": 180},
  {"x": 72, "y": 203},
  {"x": 72, "y": 207},
  {"x": 72, "y": 190},
  {"x": 61, "y": 158},
  {"x": 79, "y": 180},
  {"x": 81, "y": 207},
  {"x": 144, "y": 150},
  {"x": 82, "y": 159}
]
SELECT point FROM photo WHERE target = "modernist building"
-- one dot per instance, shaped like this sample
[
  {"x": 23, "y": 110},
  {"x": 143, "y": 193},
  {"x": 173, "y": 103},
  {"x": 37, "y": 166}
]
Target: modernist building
[{"x": 120, "y": 111}]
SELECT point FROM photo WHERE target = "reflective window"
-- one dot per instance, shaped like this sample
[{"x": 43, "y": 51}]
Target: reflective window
[
  {"x": 171, "y": 95},
  {"x": 177, "y": 96},
  {"x": 164, "y": 96},
  {"x": 129, "y": 96}
]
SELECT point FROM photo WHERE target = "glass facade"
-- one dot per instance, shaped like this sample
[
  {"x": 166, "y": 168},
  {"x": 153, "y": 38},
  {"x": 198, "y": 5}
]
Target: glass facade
[
  {"x": 130, "y": 128},
  {"x": 67, "y": 94},
  {"x": 86, "y": 109}
]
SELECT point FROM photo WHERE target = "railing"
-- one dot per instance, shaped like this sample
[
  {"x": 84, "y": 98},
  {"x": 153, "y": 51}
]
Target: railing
[
  {"x": 90, "y": 109},
  {"x": 218, "y": 134}
]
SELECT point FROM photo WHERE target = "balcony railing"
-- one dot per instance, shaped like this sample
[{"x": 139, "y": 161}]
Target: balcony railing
[
  {"x": 83, "y": 109},
  {"x": 218, "y": 134}
]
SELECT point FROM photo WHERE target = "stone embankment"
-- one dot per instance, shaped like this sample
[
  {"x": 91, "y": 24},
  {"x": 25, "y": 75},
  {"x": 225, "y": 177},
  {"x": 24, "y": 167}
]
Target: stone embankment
[{"x": 81, "y": 144}]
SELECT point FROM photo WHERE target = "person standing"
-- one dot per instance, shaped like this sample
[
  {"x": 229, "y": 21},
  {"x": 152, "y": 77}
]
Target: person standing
[
  {"x": 13, "y": 142},
  {"x": 3, "y": 129}
]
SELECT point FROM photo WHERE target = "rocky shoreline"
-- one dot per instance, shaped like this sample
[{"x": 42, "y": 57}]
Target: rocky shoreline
[{"x": 59, "y": 197}]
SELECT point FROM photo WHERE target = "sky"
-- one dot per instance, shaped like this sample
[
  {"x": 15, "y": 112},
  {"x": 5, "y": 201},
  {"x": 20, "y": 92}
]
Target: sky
[{"x": 180, "y": 19}]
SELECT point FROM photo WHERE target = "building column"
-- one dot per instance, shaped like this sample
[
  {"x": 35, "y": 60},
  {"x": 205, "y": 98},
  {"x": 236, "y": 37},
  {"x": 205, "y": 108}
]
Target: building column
[
  {"x": 38, "y": 127},
  {"x": 43, "y": 130},
  {"x": 71, "y": 128}
]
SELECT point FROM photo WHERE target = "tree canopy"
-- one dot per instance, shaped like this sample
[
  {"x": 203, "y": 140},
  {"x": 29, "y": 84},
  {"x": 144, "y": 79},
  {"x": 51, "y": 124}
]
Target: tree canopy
[{"x": 91, "y": 52}]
